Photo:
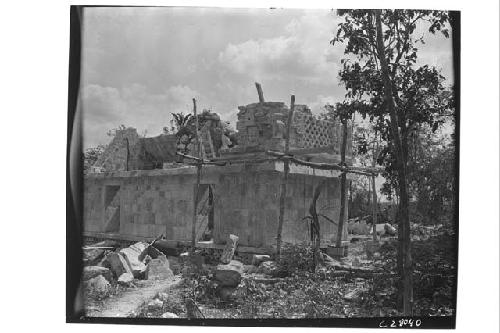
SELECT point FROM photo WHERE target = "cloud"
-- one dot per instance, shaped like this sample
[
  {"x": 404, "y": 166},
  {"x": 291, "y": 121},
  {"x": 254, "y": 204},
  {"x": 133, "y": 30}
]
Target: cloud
[
  {"x": 317, "y": 105},
  {"x": 303, "y": 53},
  {"x": 105, "y": 108}
]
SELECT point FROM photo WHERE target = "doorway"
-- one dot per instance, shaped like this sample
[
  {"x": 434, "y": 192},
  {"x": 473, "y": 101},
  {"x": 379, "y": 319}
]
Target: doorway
[
  {"x": 111, "y": 208},
  {"x": 205, "y": 212}
]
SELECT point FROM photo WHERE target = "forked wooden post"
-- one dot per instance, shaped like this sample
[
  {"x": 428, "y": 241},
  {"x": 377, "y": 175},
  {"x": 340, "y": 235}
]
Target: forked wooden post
[
  {"x": 342, "y": 185},
  {"x": 198, "y": 179},
  {"x": 315, "y": 226},
  {"x": 127, "y": 146},
  {"x": 286, "y": 170}
]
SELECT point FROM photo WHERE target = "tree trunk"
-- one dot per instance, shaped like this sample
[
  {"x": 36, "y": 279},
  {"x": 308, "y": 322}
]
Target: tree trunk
[
  {"x": 375, "y": 203},
  {"x": 342, "y": 185},
  {"x": 374, "y": 209},
  {"x": 404, "y": 246},
  {"x": 286, "y": 170}
]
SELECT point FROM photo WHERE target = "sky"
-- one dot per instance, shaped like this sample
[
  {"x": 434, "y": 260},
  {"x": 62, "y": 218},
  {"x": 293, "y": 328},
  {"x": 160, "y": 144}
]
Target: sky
[{"x": 141, "y": 64}]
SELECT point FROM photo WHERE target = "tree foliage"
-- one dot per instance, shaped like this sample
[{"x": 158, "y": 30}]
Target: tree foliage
[
  {"x": 91, "y": 155},
  {"x": 420, "y": 93}
]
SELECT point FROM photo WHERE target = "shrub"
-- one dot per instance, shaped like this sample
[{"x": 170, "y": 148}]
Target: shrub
[{"x": 295, "y": 258}]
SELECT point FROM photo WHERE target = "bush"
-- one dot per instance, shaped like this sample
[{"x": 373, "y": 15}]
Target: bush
[{"x": 295, "y": 258}]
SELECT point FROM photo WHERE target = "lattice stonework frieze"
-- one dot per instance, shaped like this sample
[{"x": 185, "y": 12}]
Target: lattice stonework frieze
[{"x": 314, "y": 133}]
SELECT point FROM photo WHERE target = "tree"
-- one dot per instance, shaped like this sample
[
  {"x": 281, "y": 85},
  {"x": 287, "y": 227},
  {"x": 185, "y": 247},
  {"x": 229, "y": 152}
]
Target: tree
[
  {"x": 431, "y": 176},
  {"x": 396, "y": 96},
  {"x": 90, "y": 156},
  {"x": 181, "y": 120}
]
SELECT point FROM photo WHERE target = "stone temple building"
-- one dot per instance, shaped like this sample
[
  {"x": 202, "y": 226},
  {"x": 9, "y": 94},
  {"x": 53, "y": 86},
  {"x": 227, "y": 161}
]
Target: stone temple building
[{"x": 140, "y": 189}]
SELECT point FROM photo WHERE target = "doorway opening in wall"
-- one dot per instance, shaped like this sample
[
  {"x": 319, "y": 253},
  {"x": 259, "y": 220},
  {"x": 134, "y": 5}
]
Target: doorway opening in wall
[
  {"x": 111, "y": 208},
  {"x": 205, "y": 212}
]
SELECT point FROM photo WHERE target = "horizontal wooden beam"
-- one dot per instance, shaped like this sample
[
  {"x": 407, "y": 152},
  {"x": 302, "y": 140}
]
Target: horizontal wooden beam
[
  {"x": 323, "y": 166},
  {"x": 291, "y": 158}
]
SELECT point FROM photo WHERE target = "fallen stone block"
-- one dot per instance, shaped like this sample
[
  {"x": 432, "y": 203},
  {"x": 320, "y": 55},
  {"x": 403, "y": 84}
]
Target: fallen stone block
[
  {"x": 264, "y": 279},
  {"x": 249, "y": 269},
  {"x": 380, "y": 228},
  {"x": 126, "y": 279},
  {"x": 351, "y": 295},
  {"x": 91, "y": 257},
  {"x": 169, "y": 315},
  {"x": 389, "y": 229},
  {"x": 153, "y": 252},
  {"x": 155, "y": 305},
  {"x": 337, "y": 252},
  {"x": 98, "y": 287},
  {"x": 93, "y": 254},
  {"x": 134, "y": 255},
  {"x": 167, "y": 247},
  {"x": 360, "y": 228},
  {"x": 117, "y": 264},
  {"x": 329, "y": 261},
  {"x": 268, "y": 267},
  {"x": 158, "y": 269},
  {"x": 90, "y": 272},
  {"x": 259, "y": 258},
  {"x": 228, "y": 253},
  {"x": 163, "y": 297},
  {"x": 229, "y": 275},
  {"x": 142, "y": 248}
]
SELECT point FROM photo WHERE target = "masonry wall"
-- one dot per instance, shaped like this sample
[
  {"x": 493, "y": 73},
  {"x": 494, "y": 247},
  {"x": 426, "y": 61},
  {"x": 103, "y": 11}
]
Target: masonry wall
[
  {"x": 246, "y": 204},
  {"x": 249, "y": 207},
  {"x": 149, "y": 205}
]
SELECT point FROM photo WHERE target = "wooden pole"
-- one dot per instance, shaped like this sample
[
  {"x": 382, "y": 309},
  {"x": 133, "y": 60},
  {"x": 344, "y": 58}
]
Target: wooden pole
[
  {"x": 198, "y": 179},
  {"x": 286, "y": 170},
  {"x": 259, "y": 91},
  {"x": 342, "y": 185},
  {"x": 128, "y": 153}
]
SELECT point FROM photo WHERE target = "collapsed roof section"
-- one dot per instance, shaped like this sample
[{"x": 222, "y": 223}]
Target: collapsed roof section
[
  {"x": 261, "y": 127},
  {"x": 128, "y": 151}
]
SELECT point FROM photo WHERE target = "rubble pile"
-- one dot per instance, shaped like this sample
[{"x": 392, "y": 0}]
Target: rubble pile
[
  {"x": 360, "y": 226},
  {"x": 106, "y": 265}
]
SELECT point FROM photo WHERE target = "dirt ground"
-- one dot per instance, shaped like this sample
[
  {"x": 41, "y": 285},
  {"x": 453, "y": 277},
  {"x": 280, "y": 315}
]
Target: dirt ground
[
  {"x": 126, "y": 301},
  {"x": 359, "y": 285}
]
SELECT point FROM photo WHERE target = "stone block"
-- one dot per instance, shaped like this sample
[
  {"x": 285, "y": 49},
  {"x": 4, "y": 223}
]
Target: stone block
[
  {"x": 257, "y": 259},
  {"x": 98, "y": 287},
  {"x": 126, "y": 279},
  {"x": 229, "y": 275},
  {"x": 117, "y": 264},
  {"x": 90, "y": 272},
  {"x": 159, "y": 269}
]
